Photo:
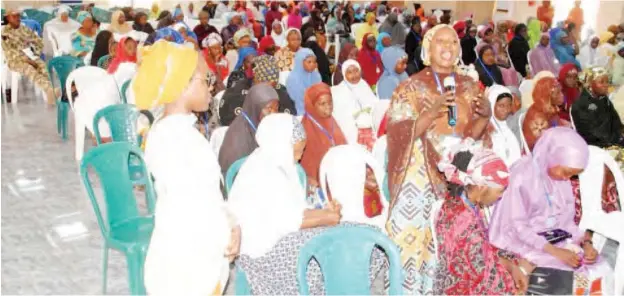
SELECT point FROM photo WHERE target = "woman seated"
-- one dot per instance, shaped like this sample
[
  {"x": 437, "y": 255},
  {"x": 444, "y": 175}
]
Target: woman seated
[
  {"x": 83, "y": 40},
  {"x": 204, "y": 29},
  {"x": 239, "y": 140},
  {"x": 370, "y": 60},
  {"x": 593, "y": 114},
  {"x": 278, "y": 34},
  {"x": 102, "y": 46},
  {"x": 267, "y": 196},
  {"x": 469, "y": 264},
  {"x": 568, "y": 79},
  {"x": 542, "y": 57},
  {"x": 126, "y": 52},
  {"x": 213, "y": 53},
  {"x": 267, "y": 46},
  {"x": 186, "y": 34},
  {"x": 286, "y": 55},
  {"x": 322, "y": 130},
  {"x": 353, "y": 105},
  {"x": 265, "y": 71},
  {"x": 244, "y": 66},
  {"x": 563, "y": 49},
  {"x": 118, "y": 23},
  {"x": 489, "y": 72},
  {"x": 535, "y": 217},
  {"x": 395, "y": 62},
  {"x": 304, "y": 75},
  {"x": 384, "y": 40},
  {"x": 504, "y": 142},
  {"x": 544, "y": 112},
  {"x": 316, "y": 42},
  {"x": 62, "y": 25},
  {"x": 348, "y": 51},
  {"x": 141, "y": 24}
]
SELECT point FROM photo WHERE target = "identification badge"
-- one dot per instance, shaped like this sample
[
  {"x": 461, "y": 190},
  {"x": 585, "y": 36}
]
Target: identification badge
[{"x": 378, "y": 70}]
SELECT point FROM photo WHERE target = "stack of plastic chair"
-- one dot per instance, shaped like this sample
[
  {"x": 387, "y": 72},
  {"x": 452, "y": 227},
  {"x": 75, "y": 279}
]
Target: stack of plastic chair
[
  {"x": 122, "y": 225},
  {"x": 124, "y": 89},
  {"x": 62, "y": 66},
  {"x": 102, "y": 15},
  {"x": 344, "y": 255}
]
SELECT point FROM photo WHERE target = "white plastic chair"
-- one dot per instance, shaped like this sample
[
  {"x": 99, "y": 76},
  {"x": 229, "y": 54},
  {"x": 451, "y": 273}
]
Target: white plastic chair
[
  {"x": 55, "y": 46},
  {"x": 380, "y": 149},
  {"x": 216, "y": 139},
  {"x": 97, "y": 89},
  {"x": 104, "y": 26},
  {"x": 192, "y": 23},
  {"x": 283, "y": 76},
  {"x": 594, "y": 218},
  {"x": 14, "y": 80},
  {"x": 529, "y": 60},
  {"x": 379, "y": 112},
  {"x": 524, "y": 144},
  {"x": 572, "y": 119},
  {"x": 217, "y": 101},
  {"x": 343, "y": 169},
  {"x": 354, "y": 28}
]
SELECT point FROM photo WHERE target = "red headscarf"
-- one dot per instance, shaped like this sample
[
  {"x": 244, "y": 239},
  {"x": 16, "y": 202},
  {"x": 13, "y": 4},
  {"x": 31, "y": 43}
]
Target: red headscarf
[
  {"x": 265, "y": 43},
  {"x": 318, "y": 142},
  {"x": 370, "y": 62},
  {"x": 121, "y": 56},
  {"x": 570, "y": 94},
  {"x": 460, "y": 28}
]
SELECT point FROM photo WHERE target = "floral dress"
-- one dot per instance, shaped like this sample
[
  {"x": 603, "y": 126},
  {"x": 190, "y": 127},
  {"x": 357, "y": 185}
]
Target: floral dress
[{"x": 285, "y": 59}]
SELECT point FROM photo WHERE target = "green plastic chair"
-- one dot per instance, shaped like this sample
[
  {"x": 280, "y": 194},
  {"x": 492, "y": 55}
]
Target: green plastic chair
[
  {"x": 102, "y": 60},
  {"x": 103, "y": 16},
  {"x": 62, "y": 66},
  {"x": 344, "y": 255},
  {"x": 232, "y": 171},
  {"x": 124, "y": 88},
  {"x": 124, "y": 228}
]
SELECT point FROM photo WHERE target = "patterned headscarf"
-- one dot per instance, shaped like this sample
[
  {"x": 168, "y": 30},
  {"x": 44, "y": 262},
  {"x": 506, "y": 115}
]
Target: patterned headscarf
[
  {"x": 212, "y": 39},
  {"x": 484, "y": 169},
  {"x": 265, "y": 69},
  {"x": 240, "y": 34},
  {"x": 163, "y": 73},
  {"x": 299, "y": 133},
  {"x": 83, "y": 15},
  {"x": 426, "y": 43},
  {"x": 589, "y": 75}
]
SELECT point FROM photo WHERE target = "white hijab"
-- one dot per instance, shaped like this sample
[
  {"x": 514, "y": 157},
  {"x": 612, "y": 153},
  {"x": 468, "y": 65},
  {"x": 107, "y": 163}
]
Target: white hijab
[
  {"x": 588, "y": 55},
  {"x": 504, "y": 142},
  {"x": 62, "y": 31},
  {"x": 349, "y": 100},
  {"x": 280, "y": 39},
  {"x": 267, "y": 196}
]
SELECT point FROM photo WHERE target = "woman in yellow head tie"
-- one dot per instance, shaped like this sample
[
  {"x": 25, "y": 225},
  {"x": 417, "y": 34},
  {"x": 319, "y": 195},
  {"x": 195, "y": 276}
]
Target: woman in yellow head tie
[
  {"x": 369, "y": 26},
  {"x": 195, "y": 237}
]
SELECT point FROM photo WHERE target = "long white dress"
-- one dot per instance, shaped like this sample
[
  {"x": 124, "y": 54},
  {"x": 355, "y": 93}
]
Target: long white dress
[{"x": 192, "y": 225}]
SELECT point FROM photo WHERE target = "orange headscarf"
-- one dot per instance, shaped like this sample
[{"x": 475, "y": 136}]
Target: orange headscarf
[{"x": 318, "y": 138}]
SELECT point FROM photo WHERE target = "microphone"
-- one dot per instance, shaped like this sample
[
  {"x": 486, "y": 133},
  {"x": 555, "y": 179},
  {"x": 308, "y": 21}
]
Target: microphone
[{"x": 449, "y": 85}]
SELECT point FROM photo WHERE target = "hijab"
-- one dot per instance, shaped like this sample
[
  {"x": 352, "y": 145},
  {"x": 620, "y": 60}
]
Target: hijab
[
  {"x": 563, "y": 52},
  {"x": 318, "y": 130},
  {"x": 115, "y": 27},
  {"x": 587, "y": 55},
  {"x": 121, "y": 56},
  {"x": 242, "y": 54},
  {"x": 102, "y": 41},
  {"x": 267, "y": 197},
  {"x": 570, "y": 94},
  {"x": 280, "y": 39},
  {"x": 504, "y": 142},
  {"x": 294, "y": 19},
  {"x": 394, "y": 28},
  {"x": 380, "y": 47},
  {"x": 370, "y": 61},
  {"x": 349, "y": 100},
  {"x": 146, "y": 28},
  {"x": 542, "y": 58},
  {"x": 460, "y": 29},
  {"x": 524, "y": 209},
  {"x": 239, "y": 139},
  {"x": 265, "y": 43},
  {"x": 390, "y": 79},
  {"x": 468, "y": 44},
  {"x": 342, "y": 57},
  {"x": 534, "y": 29},
  {"x": 300, "y": 79},
  {"x": 488, "y": 74}
]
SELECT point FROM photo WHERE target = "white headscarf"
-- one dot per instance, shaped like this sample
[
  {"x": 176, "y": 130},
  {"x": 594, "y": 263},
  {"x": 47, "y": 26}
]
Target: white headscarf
[
  {"x": 267, "y": 196},
  {"x": 62, "y": 31},
  {"x": 280, "y": 39},
  {"x": 504, "y": 142},
  {"x": 351, "y": 102},
  {"x": 212, "y": 39},
  {"x": 587, "y": 55}
]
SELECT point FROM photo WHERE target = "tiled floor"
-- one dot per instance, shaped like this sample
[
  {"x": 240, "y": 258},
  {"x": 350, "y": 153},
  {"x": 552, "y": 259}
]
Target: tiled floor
[{"x": 51, "y": 243}]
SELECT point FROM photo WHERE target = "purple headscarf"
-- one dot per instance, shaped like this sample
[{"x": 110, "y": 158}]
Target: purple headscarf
[
  {"x": 542, "y": 58},
  {"x": 524, "y": 210}
]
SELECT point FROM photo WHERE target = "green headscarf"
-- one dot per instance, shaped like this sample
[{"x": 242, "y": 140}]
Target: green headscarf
[{"x": 534, "y": 28}]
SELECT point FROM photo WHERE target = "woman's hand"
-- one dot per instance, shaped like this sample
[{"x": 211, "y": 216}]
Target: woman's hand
[
  {"x": 566, "y": 256},
  {"x": 233, "y": 248},
  {"x": 590, "y": 253},
  {"x": 436, "y": 106},
  {"x": 520, "y": 279},
  {"x": 482, "y": 106}
]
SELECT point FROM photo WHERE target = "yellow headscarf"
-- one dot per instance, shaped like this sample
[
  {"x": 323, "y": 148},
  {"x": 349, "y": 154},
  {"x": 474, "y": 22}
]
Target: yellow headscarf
[
  {"x": 605, "y": 36},
  {"x": 370, "y": 15},
  {"x": 164, "y": 71}
]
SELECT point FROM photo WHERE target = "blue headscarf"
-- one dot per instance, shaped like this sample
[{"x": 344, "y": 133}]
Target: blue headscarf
[
  {"x": 300, "y": 79},
  {"x": 243, "y": 53},
  {"x": 83, "y": 15},
  {"x": 390, "y": 79},
  {"x": 563, "y": 52},
  {"x": 169, "y": 32},
  {"x": 177, "y": 12},
  {"x": 380, "y": 48}
]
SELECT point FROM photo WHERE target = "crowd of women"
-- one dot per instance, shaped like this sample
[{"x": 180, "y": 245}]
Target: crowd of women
[{"x": 527, "y": 102}]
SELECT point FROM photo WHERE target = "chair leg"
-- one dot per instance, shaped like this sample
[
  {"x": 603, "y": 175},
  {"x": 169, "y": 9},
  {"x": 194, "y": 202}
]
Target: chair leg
[
  {"x": 58, "y": 119},
  {"x": 79, "y": 136},
  {"x": 15, "y": 78},
  {"x": 135, "y": 260},
  {"x": 64, "y": 111},
  {"x": 105, "y": 270}
]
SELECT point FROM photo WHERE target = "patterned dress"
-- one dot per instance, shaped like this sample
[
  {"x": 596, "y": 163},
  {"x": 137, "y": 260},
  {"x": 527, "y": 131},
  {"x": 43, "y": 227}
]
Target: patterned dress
[
  {"x": 413, "y": 178},
  {"x": 285, "y": 59},
  {"x": 468, "y": 264}
]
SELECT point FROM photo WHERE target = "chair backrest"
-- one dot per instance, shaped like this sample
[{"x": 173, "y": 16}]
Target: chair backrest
[
  {"x": 571, "y": 118},
  {"x": 124, "y": 89},
  {"x": 529, "y": 60},
  {"x": 94, "y": 83},
  {"x": 231, "y": 173},
  {"x": 379, "y": 112},
  {"x": 110, "y": 163},
  {"x": 380, "y": 151},
  {"x": 216, "y": 138},
  {"x": 217, "y": 101},
  {"x": 283, "y": 76},
  {"x": 63, "y": 66},
  {"x": 344, "y": 255},
  {"x": 102, "y": 60},
  {"x": 122, "y": 120},
  {"x": 593, "y": 176},
  {"x": 524, "y": 144},
  {"x": 343, "y": 170}
]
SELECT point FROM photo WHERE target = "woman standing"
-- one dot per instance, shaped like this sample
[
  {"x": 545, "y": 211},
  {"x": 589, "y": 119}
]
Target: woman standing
[
  {"x": 304, "y": 75},
  {"x": 417, "y": 132},
  {"x": 83, "y": 40},
  {"x": 370, "y": 61},
  {"x": 286, "y": 54},
  {"x": 195, "y": 236},
  {"x": 384, "y": 40},
  {"x": 353, "y": 103},
  {"x": 119, "y": 24},
  {"x": 278, "y": 34},
  {"x": 395, "y": 62}
]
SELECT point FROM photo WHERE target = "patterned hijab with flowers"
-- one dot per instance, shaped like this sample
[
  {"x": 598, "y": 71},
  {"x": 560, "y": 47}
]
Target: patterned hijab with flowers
[
  {"x": 484, "y": 169},
  {"x": 590, "y": 74}
]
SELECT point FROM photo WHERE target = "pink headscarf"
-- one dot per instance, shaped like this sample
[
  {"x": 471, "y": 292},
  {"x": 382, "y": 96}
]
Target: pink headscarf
[
  {"x": 524, "y": 209},
  {"x": 294, "y": 19}
]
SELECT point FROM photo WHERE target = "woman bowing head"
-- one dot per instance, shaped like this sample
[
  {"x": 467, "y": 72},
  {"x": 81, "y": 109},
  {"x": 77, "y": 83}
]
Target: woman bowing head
[{"x": 418, "y": 129}]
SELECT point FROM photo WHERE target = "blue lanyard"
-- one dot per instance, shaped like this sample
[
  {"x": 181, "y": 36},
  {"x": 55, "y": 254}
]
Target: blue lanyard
[
  {"x": 475, "y": 211},
  {"x": 253, "y": 126},
  {"x": 486, "y": 71},
  {"x": 329, "y": 136}
]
